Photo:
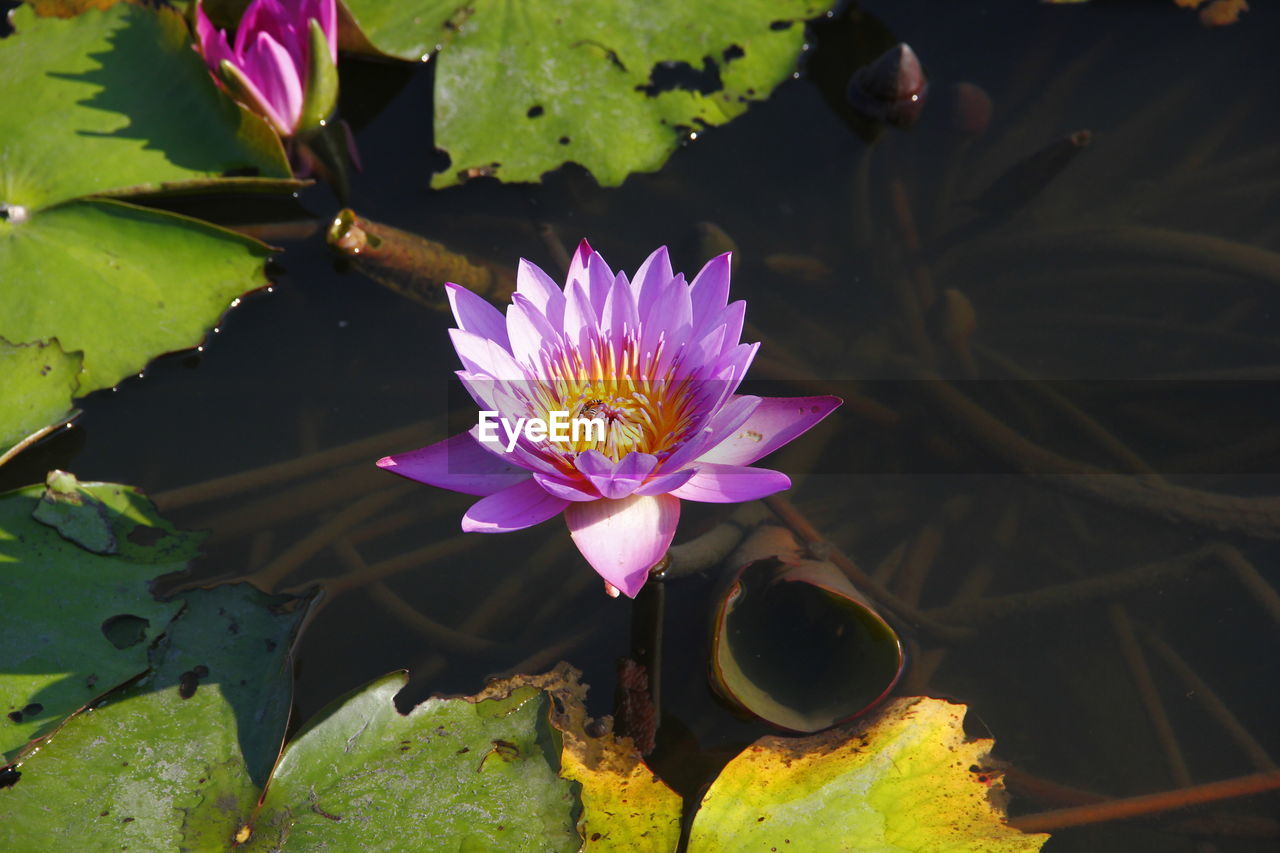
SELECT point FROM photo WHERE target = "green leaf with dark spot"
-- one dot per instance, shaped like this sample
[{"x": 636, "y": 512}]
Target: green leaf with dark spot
[
  {"x": 112, "y": 102},
  {"x": 521, "y": 88},
  {"x": 174, "y": 761},
  {"x": 63, "y": 603},
  {"x": 452, "y": 774}
]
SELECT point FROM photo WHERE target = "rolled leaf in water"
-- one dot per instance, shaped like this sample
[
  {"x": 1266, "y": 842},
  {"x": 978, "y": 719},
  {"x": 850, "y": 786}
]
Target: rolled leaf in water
[{"x": 796, "y": 645}]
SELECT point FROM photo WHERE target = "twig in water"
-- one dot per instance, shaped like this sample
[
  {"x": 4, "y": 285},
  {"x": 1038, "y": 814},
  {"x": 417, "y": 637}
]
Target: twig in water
[
  {"x": 303, "y": 500},
  {"x": 1203, "y": 693},
  {"x": 308, "y": 546},
  {"x": 438, "y": 633},
  {"x": 982, "y": 611},
  {"x": 1148, "y": 804},
  {"x": 1146, "y": 687},
  {"x": 268, "y": 475},
  {"x": 1257, "y": 517}
]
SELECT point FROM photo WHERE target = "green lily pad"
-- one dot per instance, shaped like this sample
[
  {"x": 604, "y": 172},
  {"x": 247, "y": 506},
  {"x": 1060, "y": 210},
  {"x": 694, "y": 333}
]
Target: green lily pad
[
  {"x": 159, "y": 283},
  {"x": 898, "y": 783},
  {"x": 452, "y": 774},
  {"x": 75, "y": 563},
  {"x": 39, "y": 379},
  {"x": 174, "y": 761},
  {"x": 522, "y": 88},
  {"x": 116, "y": 100}
]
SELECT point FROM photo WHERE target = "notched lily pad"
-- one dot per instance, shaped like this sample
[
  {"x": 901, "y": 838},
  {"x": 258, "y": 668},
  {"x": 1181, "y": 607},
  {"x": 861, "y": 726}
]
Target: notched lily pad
[
  {"x": 456, "y": 774},
  {"x": 69, "y": 574},
  {"x": 898, "y": 783},
  {"x": 39, "y": 381},
  {"x": 113, "y": 101},
  {"x": 175, "y": 760},
  {"x": 116, "y": 99},
  {"x": 625, "y": 806},
  {"x": 522, "y": 88}
]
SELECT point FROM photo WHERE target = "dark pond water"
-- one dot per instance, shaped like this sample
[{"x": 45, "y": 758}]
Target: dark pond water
[{"x": 1140, "y": 285}]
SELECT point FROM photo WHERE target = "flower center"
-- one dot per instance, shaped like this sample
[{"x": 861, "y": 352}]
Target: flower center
[{"x": 639, "y": 414}]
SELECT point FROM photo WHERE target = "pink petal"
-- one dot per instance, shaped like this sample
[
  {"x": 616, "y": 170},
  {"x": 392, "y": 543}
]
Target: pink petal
[
  {"x": 731, "y": 484},
  {"x": 514, "y": 508},
  {"x": 664, "y": 483},
  {"x": 481, "y": 388},
  {"x": 732, "y": 318},
  {"x": 709, "y": 293},
  {"x": 481, "y": 355},
  {"x": 578, "y": 265},
  {"x": 561, "y": 487},
  {"x": 669, "y": 317},
  {"x": 474, "y": 314},
  {"x": 619, "y": 310},
  {"x": 615, "y": 480},
  {"x": 258, "y": 102},
  {"x": 458, "y": 463},
  {"x": 735, "y": 365},
  {"x": 580, "y": 324},
  {"x": 326, "y": 12},
  {"x": 270, "y": 17},
  {"x": 213, "y": 42},
  {"x": 708, "y": 349},
  {"x": 726, "y": 420},
  {"x": 653, "y": 274},
  {"x": 775, "y": 422},
  {"x": 528, "y": 330},
  {"x": 599, "y": 282},
  {"x": 545, "y": 294},
  {"x": 268, "y": 64},
  {"x": 623, "y": 539}
]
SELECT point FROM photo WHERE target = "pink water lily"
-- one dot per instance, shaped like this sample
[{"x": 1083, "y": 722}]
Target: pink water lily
[
  {"x": 274, "y": 66},
  {"x": 657, "y": 361}
]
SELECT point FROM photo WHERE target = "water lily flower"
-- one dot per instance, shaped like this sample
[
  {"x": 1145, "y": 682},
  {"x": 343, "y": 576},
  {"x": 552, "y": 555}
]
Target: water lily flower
[
  {"x": 283, "y": 65},
  {"x": 655, "y": 362}
]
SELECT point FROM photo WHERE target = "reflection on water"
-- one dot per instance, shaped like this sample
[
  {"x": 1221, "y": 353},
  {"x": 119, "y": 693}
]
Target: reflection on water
[{"x": 1151, "y": 254}]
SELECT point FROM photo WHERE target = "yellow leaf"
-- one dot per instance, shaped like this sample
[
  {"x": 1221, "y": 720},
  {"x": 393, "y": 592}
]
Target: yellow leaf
[
  {"x": 625, "y": 807},
  {"x": 898, "y": 783}
]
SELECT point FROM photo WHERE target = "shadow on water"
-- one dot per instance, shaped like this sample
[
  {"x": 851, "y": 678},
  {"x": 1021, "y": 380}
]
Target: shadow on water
[{"x": 178, "y": 112}]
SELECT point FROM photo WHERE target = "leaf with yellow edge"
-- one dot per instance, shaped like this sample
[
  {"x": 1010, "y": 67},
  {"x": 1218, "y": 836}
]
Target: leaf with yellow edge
[
  {"x": 625, "y": 807},
  {"x": 897, "y": 783}
]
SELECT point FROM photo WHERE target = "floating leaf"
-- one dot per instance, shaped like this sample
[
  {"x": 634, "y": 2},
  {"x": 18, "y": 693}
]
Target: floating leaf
[
  {"x": 522, "y": 88},
  {"x": 795, "y": 644},
  {"x": 39, "y": 379},
  {"x": 114, "y": 101},
  {"x": 452, "y": 774},
  {"x": 162, "y": 284},
  {"x": 76, "y": 621},
  {"x": 898, "y": 783},
  {"x": 625, "y": 807},
  {"x": 175, "y": 760}
]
